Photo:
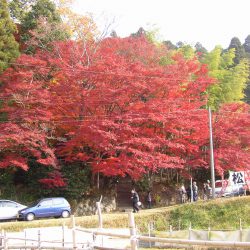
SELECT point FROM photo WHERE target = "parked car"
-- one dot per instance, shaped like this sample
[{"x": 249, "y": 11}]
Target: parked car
[
  {"x": 9, "y": 209},
  {"x": 47, "y": 207},
  {"x": 224, "y": 188}
]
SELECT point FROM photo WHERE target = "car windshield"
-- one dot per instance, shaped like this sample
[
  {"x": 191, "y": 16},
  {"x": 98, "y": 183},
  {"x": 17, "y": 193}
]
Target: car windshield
[{"x": 35, "y": 203}]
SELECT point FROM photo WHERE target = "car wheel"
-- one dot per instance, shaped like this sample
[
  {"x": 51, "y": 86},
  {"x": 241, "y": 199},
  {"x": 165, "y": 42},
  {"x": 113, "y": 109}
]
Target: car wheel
[
  {"x": 30, "y": 217},
  {"x": 65, "y": 214}
]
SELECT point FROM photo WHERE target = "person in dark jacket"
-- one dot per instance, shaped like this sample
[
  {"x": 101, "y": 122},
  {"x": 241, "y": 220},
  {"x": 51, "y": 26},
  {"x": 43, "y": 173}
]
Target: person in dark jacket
[
  {"x": 149, "y": 199},
  {"x": 135, "y": 199},
  {"x": 188, "y": 191}
]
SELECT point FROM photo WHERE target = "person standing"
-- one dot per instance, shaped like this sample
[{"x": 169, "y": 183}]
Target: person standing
[
  {"x": 135, "y": 199},
  {"x": 188, "y": 191},
  {"x": 208, "y": 190},
  {"x": 182, "y": 192},
  {"x": 195, "y": 191},
  {"x": 149, "y": 200},
  {"x": 204, "y": 191}
]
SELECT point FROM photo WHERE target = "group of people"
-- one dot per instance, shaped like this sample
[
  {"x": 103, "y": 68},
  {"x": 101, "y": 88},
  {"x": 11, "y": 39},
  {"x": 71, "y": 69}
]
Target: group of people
[
  {"x": 191, "y": 193},
  {"x": 186, "y": 194},
  {"x": 136, "y": 203}
]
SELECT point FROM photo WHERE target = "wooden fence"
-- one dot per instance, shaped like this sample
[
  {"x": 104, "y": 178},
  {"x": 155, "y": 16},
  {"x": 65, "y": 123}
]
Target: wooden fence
[{"x": 88, "y": 239}]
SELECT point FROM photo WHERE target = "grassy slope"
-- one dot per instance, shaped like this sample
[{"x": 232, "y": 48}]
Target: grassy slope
[{"x": 218, "y": 214}]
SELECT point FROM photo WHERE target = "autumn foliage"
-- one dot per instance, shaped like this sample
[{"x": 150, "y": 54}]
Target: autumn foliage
[{"x": 114, "y": 106}]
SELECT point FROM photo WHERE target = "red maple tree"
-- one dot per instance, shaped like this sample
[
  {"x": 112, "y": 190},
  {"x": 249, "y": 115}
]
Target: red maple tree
[
  {"x": 126, "y": 114},
  {"x": 25, "y": 106},
  {"x": 231, "y": 133},
  {"x": 115, "y": 107}
]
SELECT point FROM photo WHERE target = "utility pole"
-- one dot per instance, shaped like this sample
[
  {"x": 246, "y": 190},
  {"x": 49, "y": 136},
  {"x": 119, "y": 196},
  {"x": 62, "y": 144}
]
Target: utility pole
[{"x": 211, "y": 152}]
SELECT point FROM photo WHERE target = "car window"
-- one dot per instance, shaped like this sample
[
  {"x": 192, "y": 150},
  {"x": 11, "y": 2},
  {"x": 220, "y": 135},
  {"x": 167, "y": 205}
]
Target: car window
[
  {"x": 46, "y": 203},
  {"x": 7, "y": 204},
  {"x": 58, "y": 201},
  {"x": 11, "y": 204}
]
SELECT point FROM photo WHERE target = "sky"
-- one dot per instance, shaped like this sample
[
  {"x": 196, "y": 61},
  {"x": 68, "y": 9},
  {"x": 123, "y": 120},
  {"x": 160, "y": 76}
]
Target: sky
[{"x": 210, "y": 22}]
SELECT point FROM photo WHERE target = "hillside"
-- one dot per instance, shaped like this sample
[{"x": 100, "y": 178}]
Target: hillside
[{"x": 218, "y": 214}]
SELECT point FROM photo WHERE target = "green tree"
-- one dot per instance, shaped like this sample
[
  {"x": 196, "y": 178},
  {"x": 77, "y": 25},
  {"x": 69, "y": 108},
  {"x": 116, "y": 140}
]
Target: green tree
[
  {"x": 8, "y": 45},
  {"x": 169, "y": 45},
  {"x": 139, "y": 33},
  {"x": 239, "y": 49},
  {"x": 20, "y": 8},
  {"x": 247, "y": 50},
  {"x": 179, "y": 44},
  {"x": 187, "y": 51},
  {"x": 230, "y": 78},
  {"x": 246, "y": 45},
  {"x": 200, "y": 50},
  {"x": 42, "y": 25},
  {"x": 42, "y": 8}
]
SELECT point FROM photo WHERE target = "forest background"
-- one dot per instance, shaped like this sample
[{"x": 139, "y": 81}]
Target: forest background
[{"x": 81, "y": 108}]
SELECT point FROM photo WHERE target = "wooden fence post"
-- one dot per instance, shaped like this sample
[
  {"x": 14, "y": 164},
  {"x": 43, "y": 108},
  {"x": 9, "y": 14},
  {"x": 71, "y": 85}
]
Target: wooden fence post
[
  {"x": 170, "y": 230},
  {"x": 149, "y": 232},
  {"x": 25, "y": 237},
  {"x": 189, "y": 231},
  {"x": 39, "y": 239},
  {"x": 73, "y": 221},
  {"x": 240, "y": 230},
  {"x": 208, "y": 232},
  {"x": 63, "y": 234},
  {"x": 5, "y": 241},
  {"x": 99, "y": 211},
  {"x": 74, "y": 238},
  {"x": 2, "y": 240},
  {"x": 132, "y": 229},
  {"x": 73, "y": 232}
]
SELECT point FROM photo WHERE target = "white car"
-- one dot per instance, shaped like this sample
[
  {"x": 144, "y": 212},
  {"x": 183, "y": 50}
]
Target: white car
[
  {"x": 223, "y": 188},
  {"x": 9, "y": 209}
]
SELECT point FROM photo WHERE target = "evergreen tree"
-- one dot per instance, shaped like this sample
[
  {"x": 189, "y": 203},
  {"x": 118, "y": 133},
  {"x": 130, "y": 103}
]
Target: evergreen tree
[
  {"x": 169, "y": 45},
  {"x": 113, "y": 33},
  {"x": 139, "y": 33},
  {"x": 200, "y": 50},
  {"x": 8, "y": 46},
  {"x": 246, "y": 45},
  {"x": 42, "y": 25},
  {"x": 247, "y": 49},
  {"x": 20, "y": 8},
  {"x": 43, "y": 8},
  {"x": 179, "y": 44},
  {"x": 239, "y": 49}
]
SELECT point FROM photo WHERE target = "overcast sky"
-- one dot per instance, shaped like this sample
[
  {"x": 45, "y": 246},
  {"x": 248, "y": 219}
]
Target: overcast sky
[{"x": 211, "y": 22}]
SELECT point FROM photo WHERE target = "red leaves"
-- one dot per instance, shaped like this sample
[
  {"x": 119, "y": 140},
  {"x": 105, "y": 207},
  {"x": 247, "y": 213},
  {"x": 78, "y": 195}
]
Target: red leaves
[
  {"x": 14, "y": 161},
  {"x": 232, "y": 137},
  {"x": 115, "y": 107},
  {"x": 54, "y": 180}
]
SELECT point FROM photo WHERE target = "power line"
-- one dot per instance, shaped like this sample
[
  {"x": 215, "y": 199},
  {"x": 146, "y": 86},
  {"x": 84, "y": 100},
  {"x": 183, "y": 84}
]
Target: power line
[
  {"x": 109, "y": 73},
  {"x": 124, "y": 117}
]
